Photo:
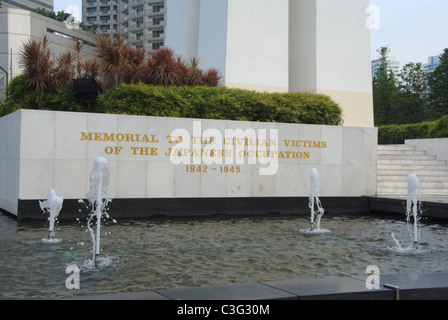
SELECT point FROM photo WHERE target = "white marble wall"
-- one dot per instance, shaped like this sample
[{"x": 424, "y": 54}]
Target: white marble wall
[
  {"x": 9, "y": 162},
  {"x": 57, "y": 151},
  {"x": 433, "y": 147}
]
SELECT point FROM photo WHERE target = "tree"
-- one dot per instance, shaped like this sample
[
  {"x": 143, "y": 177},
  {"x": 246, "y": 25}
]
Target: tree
[
  {"x": 110, "y": 52},
  {"x": 385, "y": 91},
  {"x": 438, "y": 85},
  {"x": 412, "y": 102},
  {"x": 36, "y": 64}
]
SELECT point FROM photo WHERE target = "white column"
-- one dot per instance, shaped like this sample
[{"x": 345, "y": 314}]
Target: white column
[
  {"x": 330, "y": 54},
  {"x": 182, "y": 30}
]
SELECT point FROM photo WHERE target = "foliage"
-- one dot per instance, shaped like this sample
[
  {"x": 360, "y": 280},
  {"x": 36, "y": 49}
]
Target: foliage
[
  {"x": 397, "y": 134},
  {"x": 413, "y": 96},
  {"x": 438, "y": 84},
  {"x": 20, "y": 96},
  {"x": 385, "y": 91},
  {"x": 59, "y": 16},
  {"x": 119, "y": 63},
  {"x": 110, "y": 52},
  {"x": 41, "y": 74},
  {"x": 35, "y": 61},
  {"x": 155, "y": 84},
  {"x": 412, "y": 104},
  {"x": 220, "y": 103}
]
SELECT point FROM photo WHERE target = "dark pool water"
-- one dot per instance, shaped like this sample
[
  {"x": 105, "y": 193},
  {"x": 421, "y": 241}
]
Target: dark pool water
[{"x": 161, "y": 253}]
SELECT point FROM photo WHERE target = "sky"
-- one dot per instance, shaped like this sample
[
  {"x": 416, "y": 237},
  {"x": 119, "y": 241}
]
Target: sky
[{"x": 412, "y": 29}]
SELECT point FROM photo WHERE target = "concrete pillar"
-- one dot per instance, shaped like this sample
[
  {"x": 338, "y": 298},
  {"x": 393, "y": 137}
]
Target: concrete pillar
[{"x": 329, "y": 53}]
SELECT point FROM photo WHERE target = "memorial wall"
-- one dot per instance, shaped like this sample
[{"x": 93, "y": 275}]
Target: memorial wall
[{"x": 174, "y": 158}]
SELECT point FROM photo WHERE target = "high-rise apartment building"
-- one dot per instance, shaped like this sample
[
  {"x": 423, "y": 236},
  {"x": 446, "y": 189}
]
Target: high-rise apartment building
[
  {"x": 100, "y": 15},
  {"x": 143, "y": 21},
  {"x": 433, "y": 63},
  {"x": 392, "y": 64},
  {"x": 25, "y": 4}
]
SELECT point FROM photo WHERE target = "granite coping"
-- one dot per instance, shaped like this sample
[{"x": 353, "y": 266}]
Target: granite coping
[
  {"x": 251, "y": 291},
  {"x": 419, "y": 286}
]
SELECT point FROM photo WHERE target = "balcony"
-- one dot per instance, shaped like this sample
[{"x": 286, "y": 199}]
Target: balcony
[
  {"x": 134, "y": 28},
  {"x": 154, "y": 11},
  {"x": 135, "y": 15},
  {"x": 135, "y": 39},
  {"x": 156, "y": 23}
]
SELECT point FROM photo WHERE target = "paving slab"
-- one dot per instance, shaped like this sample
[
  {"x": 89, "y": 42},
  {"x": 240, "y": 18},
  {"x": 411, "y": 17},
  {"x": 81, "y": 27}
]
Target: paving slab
[
  {"x": 252, "y": 291},
  {"x": 419, "y": 286},
  {"x": 146, "y": 295},
  {"x": 331, "y": 288}
]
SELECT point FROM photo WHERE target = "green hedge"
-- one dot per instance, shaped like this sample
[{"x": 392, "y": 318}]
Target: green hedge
[
  {"x": 397, "y": 134},
  {"x": 220, "y": 103}
]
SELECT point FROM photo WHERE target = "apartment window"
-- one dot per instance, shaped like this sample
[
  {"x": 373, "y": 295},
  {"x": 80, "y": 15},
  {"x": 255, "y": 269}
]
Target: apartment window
[
  {"x": 157, "y": 21},
  {"x": 139, "y": 23},
  {"x": 157, "y": 45},
  {"x": 157, "y": 8},
  {"x": 138, "y": 36},
  {"x": 157, "y": 33}
]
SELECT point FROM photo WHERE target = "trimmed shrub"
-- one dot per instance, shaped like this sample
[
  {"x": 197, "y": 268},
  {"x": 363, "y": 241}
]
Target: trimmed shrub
[
  {"x": 397, "y": 134},
  {"x": 220, "y": 103},
  {"x": 440, "y": 130}
]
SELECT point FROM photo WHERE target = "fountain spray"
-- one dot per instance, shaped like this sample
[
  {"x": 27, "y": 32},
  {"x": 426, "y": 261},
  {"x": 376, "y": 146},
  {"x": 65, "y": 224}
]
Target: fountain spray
[
  {"x": 53, "y": 205},
  {"x": 99, "y": 189},
  {"x": 414, "y": 190},
  {"x": 314, "y": 199}
]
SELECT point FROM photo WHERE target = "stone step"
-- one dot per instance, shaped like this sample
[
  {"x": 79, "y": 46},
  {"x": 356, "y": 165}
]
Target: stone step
[
  {"x": 404, "y": 191},
  {"x": 395, "y": 156},
  {"x": 396, "y": 162},
  {"x": 406, "y": 172},
  {"x": 411, "y": 168},
  {"x": 404, "y": 177},
  {"x": 404, "y": 196},
  {"x": 396, "y": 147},
  {"x": 411, "y": 162},
  {"x": 383, "y": 153},
  {"x": 404, "y": 185}
]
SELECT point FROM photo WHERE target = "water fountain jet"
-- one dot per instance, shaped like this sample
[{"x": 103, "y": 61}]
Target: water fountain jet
[
  {"x": 99, "y": 189},
  {"x": 412, "y": 213},
  {"x": 314, "y": 201},
  {"x": 53, "y": 206},
  {"x": 414, "y": 190}
]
